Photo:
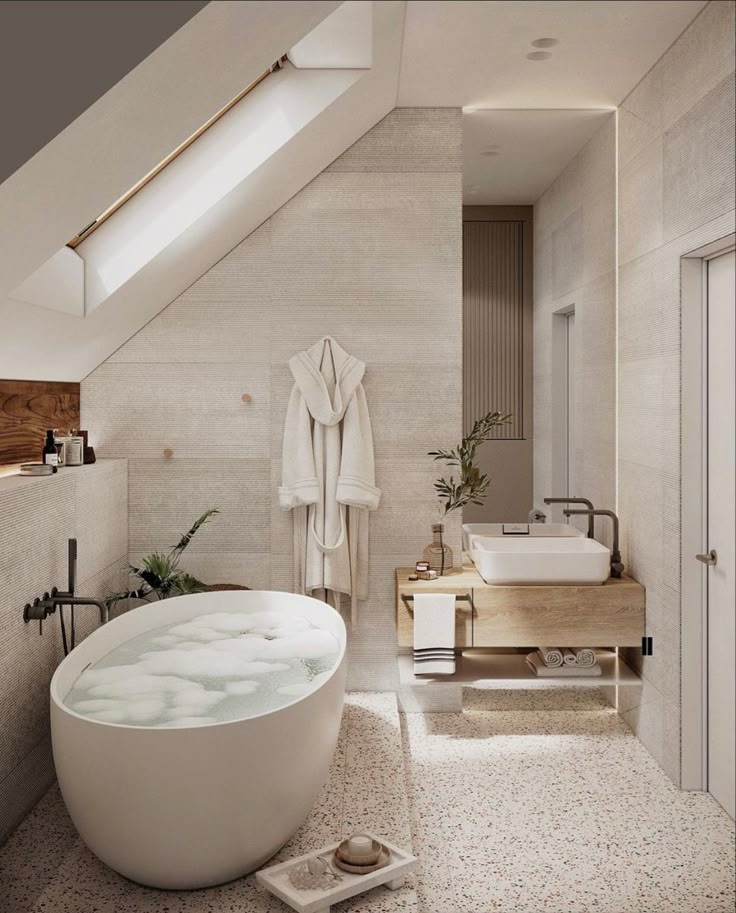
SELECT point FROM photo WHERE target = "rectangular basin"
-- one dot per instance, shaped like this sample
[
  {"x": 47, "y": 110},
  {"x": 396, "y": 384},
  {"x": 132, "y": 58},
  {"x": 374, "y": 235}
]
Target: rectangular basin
[
  {"x": 540, "y": 560},
  {"x": 519, "y": 531}
]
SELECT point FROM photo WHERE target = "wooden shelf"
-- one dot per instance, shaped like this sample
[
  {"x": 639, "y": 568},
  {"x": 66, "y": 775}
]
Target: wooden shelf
[
  {"x": 510, "y": 670},
  {"x": 609, "y": 614}
]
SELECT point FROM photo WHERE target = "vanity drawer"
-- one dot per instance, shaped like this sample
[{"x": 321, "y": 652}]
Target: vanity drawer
[{"x": 573, "y": 616}]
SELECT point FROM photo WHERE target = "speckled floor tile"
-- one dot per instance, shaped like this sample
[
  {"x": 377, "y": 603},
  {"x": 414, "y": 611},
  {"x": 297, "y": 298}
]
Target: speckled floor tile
[
  {"x": 45, "y": 868},
  {"x": 527, "y": 810}
]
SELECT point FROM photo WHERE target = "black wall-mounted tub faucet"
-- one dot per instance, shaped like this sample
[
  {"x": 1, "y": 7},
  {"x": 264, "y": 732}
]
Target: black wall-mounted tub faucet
[{"x": 42, "y": 607}]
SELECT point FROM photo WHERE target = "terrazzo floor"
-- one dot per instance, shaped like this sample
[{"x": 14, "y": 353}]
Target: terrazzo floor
[
  {"x": 526, "y": 801},
  {"x": 533, "y": 801},
  {"x": 45, "y": 868}
]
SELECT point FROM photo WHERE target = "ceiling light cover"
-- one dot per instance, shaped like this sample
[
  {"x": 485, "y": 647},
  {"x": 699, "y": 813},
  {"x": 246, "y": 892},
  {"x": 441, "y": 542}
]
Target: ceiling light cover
[{"x": 538, "y": 55}]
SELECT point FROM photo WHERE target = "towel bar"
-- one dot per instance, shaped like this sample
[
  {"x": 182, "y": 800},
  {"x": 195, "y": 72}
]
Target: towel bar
[{"x": 408, "y": 598}]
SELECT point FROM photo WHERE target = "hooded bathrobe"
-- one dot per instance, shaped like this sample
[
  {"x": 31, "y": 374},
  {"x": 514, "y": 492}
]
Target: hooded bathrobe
[{"x": 328, "y": 473}]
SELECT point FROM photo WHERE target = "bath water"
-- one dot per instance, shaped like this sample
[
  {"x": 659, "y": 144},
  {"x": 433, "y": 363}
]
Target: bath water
[{"x": 211, "y": 669}]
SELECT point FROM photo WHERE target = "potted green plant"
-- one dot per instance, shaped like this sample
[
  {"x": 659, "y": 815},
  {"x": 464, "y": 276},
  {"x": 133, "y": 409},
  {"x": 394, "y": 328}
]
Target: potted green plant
[
  {"x": 160, "y": 574},
  {"x": 470, "y": 486}
]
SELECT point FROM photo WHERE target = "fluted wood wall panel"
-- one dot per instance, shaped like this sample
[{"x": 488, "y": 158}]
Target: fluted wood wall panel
[{"x": 493, "y": 351}]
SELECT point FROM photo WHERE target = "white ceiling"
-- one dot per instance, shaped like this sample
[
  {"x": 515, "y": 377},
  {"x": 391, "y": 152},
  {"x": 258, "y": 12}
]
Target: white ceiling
[
  {"x": 474, "y": 55},
  {"x": 511, "y": 157}
]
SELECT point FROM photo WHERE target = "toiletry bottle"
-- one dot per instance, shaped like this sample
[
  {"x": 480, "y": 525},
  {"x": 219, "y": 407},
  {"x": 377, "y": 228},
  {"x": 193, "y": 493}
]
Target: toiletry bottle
[
  {"x": 73, "y": 449},
  {"x": 50, "y": 453},
  {"x": 88, "y": 452},
  {"x": 59, "y": 439}
]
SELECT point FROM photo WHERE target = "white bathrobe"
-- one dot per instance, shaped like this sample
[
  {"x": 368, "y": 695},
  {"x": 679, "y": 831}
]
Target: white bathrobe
[{"x": 328, "y": 473}]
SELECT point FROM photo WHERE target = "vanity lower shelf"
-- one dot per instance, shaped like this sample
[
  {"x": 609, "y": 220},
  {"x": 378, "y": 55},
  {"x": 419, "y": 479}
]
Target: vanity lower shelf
[
  {"x": 609, "y": 615},
  {"x": 510, "y": 670}
]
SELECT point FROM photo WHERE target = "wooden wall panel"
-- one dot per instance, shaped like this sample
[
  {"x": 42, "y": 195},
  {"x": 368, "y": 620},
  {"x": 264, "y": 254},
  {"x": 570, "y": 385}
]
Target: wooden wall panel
[
  {"x": 27, "y": 409},
  {"x": 493, "y": 302}
]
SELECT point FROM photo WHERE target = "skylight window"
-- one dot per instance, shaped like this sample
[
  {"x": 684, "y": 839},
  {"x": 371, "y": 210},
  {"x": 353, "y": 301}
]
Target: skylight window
[{"x": 121, "y": 201}]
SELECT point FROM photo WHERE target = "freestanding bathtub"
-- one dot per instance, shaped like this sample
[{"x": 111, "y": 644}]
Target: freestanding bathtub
[{"x": 192, "y": 807}]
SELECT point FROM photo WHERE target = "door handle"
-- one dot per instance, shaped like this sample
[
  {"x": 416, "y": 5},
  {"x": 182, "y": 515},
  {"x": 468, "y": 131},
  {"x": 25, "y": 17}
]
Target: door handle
[{"x": 711, "y": 559}]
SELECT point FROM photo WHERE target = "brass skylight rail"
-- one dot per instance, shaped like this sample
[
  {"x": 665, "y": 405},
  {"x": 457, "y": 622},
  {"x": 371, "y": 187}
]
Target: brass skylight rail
[{"x": 121, "y": 201}]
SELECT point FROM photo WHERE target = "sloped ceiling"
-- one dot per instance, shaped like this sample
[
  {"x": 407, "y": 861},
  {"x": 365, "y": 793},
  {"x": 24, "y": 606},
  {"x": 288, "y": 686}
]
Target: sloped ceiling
[
  {"x": 60, "y": 57},
  {"x": 129, "y": 130}
]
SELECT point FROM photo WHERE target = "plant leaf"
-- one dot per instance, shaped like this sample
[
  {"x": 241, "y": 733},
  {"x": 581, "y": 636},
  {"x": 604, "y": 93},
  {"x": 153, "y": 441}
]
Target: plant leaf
[
  {"x": 472, "y": 485},
  {"x": 190, "y": 533}
]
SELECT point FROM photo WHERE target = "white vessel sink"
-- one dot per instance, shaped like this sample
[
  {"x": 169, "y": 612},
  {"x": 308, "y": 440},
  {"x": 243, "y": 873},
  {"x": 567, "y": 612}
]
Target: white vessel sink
[
  {"x": 519, "y": 531},
  {"x": 539, "y": 560}
]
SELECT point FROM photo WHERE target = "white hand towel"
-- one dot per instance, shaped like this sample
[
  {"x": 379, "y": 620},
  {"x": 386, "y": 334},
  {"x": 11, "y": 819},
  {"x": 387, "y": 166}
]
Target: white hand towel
[
  {"x": 569, "y": 657},
  {"x": 586, "y": 657},
  {"x": 536, "y": 664},
  {"x": 434, "y": 634},
  {"x": 550, "y": 656}
]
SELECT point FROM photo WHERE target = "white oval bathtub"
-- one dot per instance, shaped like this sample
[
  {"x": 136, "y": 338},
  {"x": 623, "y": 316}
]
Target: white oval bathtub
[{"x": 189, "y": 807}]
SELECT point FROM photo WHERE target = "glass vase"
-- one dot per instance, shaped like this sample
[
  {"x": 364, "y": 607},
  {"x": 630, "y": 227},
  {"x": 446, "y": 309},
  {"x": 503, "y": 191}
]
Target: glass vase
[{"x": 437, "y": 553}]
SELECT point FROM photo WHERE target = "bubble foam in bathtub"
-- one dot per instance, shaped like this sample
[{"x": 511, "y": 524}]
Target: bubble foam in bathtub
[
  {"x": 95, "y": 705},
  {"x": 203, "y": 663},
  {"x": 311, "y": 644},
  {"x": 214, "y": 668},
  {"x": 193, "y": 631},
  {"x": 140, "y": 682},
  {"x": 198, "y": 698},
  {"x": 244, "y": 687}
]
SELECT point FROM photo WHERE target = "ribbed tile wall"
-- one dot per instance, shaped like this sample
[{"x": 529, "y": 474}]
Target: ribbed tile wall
[
  {"x": 38, "y": 517},
  {"x": 370, "y": 253},
  {"x": 676, "y": 194}
]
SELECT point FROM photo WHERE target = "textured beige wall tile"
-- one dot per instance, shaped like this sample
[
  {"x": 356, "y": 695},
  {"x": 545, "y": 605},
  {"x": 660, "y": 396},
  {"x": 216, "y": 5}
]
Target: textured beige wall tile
[
  {"x": 699, "y": 160},
  {"x": 698, "y": 61},
  {"x": 23, "y": 786},
  {"x": 567, "y": 255},
  {"x": 88, "y": 503},
  {"x": 139, "y": 410},
  {"x": 676, "y": 194},
  {"x": 641, "y": 203},
  {"x": 408, "y": 139},
  {"x": 370, "y": 253}
]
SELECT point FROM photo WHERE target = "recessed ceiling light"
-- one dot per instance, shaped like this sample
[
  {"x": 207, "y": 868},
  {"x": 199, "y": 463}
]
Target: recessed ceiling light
[
  {"x": 538, "y": 55},
  {"x": 490, "y": 152},
  {"x": 545, "y": 43}
]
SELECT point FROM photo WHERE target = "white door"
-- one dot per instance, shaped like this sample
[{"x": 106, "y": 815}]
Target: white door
[{"x": 721, "y": 523}]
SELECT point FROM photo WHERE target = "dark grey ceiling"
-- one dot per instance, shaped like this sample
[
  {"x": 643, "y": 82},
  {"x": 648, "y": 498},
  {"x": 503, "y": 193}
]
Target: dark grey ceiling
[{"x": 57, "y": 57}]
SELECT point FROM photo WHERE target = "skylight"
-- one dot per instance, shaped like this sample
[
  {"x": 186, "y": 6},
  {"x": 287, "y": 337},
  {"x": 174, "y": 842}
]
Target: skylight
[{"x": 121, "y": 201}]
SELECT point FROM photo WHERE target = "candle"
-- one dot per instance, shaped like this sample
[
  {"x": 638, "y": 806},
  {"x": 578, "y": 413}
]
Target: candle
[{"x": 360, "y": 845}]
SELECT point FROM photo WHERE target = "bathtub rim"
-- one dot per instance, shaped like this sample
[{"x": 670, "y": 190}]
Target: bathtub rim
[{"x": 64, "y": 669}]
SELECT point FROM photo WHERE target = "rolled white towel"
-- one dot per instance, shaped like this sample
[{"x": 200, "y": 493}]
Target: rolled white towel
[
  {"x": 569, "y": 657},
  {"x": 550, "y": 656},
  {"x": 586, "y": 656},
  {"x": 534, "y": 661}
]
